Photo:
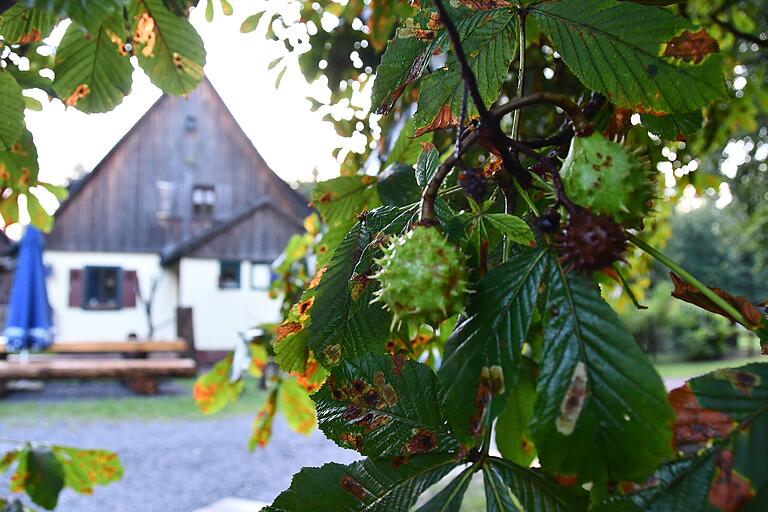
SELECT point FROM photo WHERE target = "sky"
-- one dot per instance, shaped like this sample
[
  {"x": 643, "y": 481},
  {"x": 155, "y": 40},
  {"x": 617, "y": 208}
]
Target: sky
[{"x": 291, "y": 138}]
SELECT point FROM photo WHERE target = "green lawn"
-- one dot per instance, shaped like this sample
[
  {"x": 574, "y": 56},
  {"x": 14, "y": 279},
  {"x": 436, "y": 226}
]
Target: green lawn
[
  {"x": 182, "y": 406},
  {"x": 137, "y": 407},
  {"x": 695, "y": 368}
]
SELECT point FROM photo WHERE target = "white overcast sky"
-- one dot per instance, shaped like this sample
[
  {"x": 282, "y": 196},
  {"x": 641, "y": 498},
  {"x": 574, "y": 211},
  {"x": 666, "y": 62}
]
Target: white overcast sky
[{"x": 292, "y": 139}]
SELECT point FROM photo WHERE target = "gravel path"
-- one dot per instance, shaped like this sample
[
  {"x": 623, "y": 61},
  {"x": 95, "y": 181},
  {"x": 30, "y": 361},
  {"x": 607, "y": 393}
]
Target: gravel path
[{"x": 179, "y": 466}]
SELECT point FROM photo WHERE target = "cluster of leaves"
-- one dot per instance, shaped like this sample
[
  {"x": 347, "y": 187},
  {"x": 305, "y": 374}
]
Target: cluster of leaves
[
  {"x": 89, "y": 70},
  {"x": 44, "y": 471},
  {"x": 287, "y": 394},
  {"x": 537, "y": 357},
  {"x": 226, "y": 381}
]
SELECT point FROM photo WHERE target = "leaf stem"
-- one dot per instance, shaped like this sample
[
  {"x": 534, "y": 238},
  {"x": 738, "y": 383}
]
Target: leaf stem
[
  {"x": 524, "y": 194},
  {"x": 487, "y": 441},
  {"x": 522, "y": 12},
  {"x": 450, "y": 190},
  {"x": 690, "y": 279},
  {"x": 627, "y": 288}
]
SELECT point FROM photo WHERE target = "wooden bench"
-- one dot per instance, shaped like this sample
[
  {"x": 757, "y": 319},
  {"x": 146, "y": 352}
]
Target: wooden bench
[{"x": 129, "y": 361}]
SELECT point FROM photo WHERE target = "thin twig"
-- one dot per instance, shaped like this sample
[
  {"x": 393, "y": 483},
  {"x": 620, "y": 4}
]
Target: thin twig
[
  {"x": 520, "y": 71},
  {"x": 552, "y": 168},
  {"x": 428, "y": 197},
  {"x": 489, "y": 122},
  {"x": 462, "y": 120},
  {"x": 567, "y": 105},
  {"x": 466, "y": 71},
  {"x": 489, "y": 125}
]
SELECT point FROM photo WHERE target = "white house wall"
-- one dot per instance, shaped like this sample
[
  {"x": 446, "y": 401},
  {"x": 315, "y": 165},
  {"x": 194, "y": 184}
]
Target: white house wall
[
  {"x": 77, "y": 324},
  {"x": 220, "y": 314}
]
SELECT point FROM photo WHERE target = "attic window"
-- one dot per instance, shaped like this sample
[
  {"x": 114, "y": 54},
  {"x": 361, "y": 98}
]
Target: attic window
[
  {"x": 190, "y": 123},
  {"x": 164, "y": 199},
  {"x": 203, "y": 200}
]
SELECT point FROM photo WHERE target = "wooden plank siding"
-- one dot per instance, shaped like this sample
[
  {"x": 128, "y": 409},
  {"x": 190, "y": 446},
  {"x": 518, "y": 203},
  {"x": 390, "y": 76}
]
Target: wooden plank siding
[
  {"x": 249, "y": 239},
  {"x": 115, "y": 208}
]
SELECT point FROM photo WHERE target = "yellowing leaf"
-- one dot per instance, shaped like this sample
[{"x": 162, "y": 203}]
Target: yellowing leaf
[
  {"x": 298, "y": 409},
  {"x": 214, "y": 390}
]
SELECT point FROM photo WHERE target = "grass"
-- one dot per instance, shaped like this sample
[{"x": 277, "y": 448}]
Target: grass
[
  {"x": 179, "y": 406},
  {"x": 690, "y": 369}
]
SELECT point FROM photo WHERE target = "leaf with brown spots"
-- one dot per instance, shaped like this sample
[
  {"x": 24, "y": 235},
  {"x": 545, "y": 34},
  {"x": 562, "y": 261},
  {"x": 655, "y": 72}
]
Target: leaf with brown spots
[
  {"x": 294, "y": 403},
  {"x": 722, "y": 420},
  {"x": 286, "y": 328},
  {"x": 608, "y": 48},
  {"x": 84, "y": 469},
  {"x": 691, "y": 46},
  {"x": 695, "y": 426},
  {"x": 213, "y": 390},
  {"x": 489, "y": 41},
  {"x": 341, "y": 200},
  {"x": 386, "y": 413},
  {"x": 595, "y": 389},
  {"x": 371, "y": 485},
  {"x": 729, "y": 491},
  {"x": 404, "y": 60},
  {"x": 485, "y": 5},
  {"x": 262, "y": 423},
  {"x": 693, "y": 295},
  {"x": 492, "y": 335},
  {"x": 167, "y": 47},
  {"x": 22, "y": 25},
  {"x": 93, "y": 74},
  {"x": 445, "y": 118}
]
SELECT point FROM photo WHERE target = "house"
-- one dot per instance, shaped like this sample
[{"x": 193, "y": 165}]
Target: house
[{"x": 182, "y": 212}]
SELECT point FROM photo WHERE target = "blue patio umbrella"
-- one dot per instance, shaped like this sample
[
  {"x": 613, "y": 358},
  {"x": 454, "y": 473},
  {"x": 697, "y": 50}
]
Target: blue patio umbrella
[{"x": 29, "y": 314}]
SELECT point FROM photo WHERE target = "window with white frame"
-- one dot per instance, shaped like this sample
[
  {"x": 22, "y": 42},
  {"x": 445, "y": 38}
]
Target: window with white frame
[{"x": 261, "y": 276}]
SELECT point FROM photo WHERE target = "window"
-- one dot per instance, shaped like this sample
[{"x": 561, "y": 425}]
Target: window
[
  {"x": 229, "y": 275},
  {"x": 103, "y": 288},
  {"x": 203, "y": 200},
  {"x": 261, "y": 276},
  {"x": 190, "y": 123},
  {"x": 164, "y": 199}
]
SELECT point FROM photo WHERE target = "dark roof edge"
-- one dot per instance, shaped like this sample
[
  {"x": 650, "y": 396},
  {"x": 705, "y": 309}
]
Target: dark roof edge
[
  {"x": 300, "y": 200},
  {"x": 77, "y": 186},
  {"x": 174, "y": 253}
]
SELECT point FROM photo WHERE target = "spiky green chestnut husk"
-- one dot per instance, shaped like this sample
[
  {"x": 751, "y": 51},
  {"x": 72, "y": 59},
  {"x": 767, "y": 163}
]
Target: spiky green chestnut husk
[
  {"x": 423, "y": 277},
  {"x": 608, "y": 179}
]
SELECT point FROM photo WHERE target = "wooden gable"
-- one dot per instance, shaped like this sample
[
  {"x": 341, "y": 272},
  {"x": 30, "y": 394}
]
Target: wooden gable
[
  {"x": 140, "y": 197},
  {"x": 243, "y": 237}
]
